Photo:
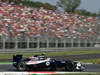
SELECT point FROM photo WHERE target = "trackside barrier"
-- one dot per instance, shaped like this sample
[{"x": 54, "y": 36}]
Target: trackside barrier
[{"x": 44, "y": 73}]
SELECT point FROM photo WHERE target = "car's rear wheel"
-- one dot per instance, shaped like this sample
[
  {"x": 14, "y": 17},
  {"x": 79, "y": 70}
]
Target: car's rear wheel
[
  {"x": 69, "y": 66},
  {"x": 21, "y": 66}
]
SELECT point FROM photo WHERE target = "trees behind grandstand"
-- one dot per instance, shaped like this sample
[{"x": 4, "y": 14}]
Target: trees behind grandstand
[
  {"x": 85, "y": 12},
  {"x": 66, "y": 5},
  {"x": 69, "y": 5},
  {"x": 35, "y": 4}
]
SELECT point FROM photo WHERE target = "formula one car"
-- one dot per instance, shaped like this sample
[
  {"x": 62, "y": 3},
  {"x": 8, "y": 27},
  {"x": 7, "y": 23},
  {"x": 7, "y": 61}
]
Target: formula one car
[{"x": 44, "y": 63}]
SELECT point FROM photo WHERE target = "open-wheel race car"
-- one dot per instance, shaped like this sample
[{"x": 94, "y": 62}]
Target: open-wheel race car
[{"x": 44, "y": 63}]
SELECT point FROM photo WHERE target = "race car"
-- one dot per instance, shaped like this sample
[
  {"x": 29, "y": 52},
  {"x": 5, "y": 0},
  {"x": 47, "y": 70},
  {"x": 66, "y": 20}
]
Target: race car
[{"x": 44, "y": 63}]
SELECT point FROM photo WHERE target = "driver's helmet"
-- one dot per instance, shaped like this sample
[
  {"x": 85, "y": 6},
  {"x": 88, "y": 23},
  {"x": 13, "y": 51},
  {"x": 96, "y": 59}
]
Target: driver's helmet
[
  {"x": 43, "y": 54},
  {"x": 34, "y": 56}
]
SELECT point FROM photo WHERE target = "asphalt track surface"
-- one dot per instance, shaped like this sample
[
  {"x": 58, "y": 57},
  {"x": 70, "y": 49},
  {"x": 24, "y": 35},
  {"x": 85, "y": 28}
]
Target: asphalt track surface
[
  {"x": 88, "y": 68},
  {"x": 68, "y": 57}
]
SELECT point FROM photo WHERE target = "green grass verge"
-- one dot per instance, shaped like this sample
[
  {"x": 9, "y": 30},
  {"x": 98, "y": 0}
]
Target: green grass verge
[
  {"x": 6, "y": 63},
  {"x": 9, "y": 56},
  {"x": 68, "y": 74},
  {"x": 94, "y": 61},
  {"x": 80, "y": 74}
]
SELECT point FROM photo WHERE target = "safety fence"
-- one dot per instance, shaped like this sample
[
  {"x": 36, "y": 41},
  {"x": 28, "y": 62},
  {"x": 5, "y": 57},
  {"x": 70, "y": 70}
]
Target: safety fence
[{"x": 17, "y": 43}]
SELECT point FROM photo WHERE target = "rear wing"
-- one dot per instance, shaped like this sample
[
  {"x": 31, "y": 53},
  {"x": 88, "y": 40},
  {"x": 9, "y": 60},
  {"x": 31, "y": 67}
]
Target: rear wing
[{"x": 17, "y": 58}]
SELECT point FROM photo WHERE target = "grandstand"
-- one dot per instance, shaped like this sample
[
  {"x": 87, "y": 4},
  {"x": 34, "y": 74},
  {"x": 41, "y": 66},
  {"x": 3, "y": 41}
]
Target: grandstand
[{"x": 25, "y": 27}]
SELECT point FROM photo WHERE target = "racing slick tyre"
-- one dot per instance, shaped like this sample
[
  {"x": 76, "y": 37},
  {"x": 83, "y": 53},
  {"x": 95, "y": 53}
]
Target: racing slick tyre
[
  {"x": 69, "y": 66},
  {"x": 21, "y": 66}
]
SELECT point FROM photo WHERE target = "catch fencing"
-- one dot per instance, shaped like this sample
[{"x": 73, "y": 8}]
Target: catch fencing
[{"x": 28, "y": 43}]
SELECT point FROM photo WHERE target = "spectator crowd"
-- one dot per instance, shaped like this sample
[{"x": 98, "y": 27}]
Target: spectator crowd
[{"x": 18, "y": 21}]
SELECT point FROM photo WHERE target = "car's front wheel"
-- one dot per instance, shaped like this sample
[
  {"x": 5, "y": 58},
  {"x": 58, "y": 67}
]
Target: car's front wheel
[{"x": 69, "y": 66}]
